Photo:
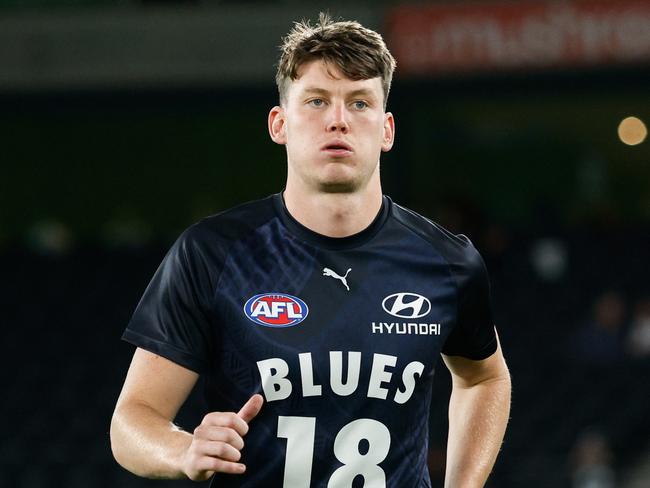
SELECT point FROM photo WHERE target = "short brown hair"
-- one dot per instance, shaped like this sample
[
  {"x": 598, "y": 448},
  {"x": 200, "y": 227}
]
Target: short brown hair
[{"x": 359, "y": 53}]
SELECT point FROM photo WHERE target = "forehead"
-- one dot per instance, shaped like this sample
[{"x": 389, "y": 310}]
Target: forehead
[{"x": 318, "y": 76}]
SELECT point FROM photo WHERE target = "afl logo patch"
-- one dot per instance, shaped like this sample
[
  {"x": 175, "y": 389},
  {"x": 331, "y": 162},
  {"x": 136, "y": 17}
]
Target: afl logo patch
[{"x": 276, "y": 310}]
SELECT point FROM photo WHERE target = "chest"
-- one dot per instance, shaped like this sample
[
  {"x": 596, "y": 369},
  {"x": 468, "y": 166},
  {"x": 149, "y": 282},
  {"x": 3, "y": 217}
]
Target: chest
[{"x": 375, "y": 313}]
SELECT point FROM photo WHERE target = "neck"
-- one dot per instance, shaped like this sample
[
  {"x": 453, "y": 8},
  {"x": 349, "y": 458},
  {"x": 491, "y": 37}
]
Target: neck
[{"x": 334, "y": 214}]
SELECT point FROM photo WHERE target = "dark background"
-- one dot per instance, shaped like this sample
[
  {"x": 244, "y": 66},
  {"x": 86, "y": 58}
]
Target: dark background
[{"x": 101, "y": 171}]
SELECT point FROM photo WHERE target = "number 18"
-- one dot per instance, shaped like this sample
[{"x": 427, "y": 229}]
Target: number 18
[{"x": 300, "y": 433}]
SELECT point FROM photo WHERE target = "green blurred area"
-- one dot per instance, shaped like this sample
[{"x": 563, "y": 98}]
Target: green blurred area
[
  {"x": 62, "y": 6},
  {"x": 59, "y": 5},
  {"x": 165, "y": 169},
  {"x": 164, "y": 165},
  {"x": 509, "y": 154}
]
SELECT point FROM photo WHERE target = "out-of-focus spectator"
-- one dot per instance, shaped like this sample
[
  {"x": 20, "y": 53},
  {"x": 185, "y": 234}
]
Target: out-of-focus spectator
[
  {"x": 638, "y": 339},
  {"x": 549, "y": 258},
  {"x": 591, "y": 460},
  {"x": 599, "y": 341}
]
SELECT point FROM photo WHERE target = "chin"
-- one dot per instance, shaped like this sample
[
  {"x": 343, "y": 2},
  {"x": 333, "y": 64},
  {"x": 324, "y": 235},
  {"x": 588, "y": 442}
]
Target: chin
[
  {"x": 339, "y": 178},
  {"x": 338, "y": 186}
]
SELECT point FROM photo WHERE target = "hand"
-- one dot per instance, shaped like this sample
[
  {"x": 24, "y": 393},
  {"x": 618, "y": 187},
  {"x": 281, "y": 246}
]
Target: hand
[{"x": 217, "y": 441}]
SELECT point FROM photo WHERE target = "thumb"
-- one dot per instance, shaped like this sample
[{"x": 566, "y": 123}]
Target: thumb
[{"x": 251, "y": 408}]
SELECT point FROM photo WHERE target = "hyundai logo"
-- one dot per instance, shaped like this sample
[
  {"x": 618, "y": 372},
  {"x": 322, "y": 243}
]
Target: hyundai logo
[{"x": 406, "y": 305}]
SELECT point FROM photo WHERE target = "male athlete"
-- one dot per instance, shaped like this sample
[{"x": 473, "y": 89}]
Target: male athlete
[{"x": 317, "y": 314}]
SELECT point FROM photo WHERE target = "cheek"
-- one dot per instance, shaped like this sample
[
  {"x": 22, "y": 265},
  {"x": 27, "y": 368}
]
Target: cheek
[
  {"x": 300, "y": 137},
  {"x": 376, "y": 127},
  {"x": 375, "y": 122},
  {"x": 301, "y": 124}
]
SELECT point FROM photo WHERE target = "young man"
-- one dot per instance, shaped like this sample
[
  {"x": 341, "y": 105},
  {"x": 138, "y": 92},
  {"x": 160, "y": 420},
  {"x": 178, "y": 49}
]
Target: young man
[{"x": 316, "y": 315}]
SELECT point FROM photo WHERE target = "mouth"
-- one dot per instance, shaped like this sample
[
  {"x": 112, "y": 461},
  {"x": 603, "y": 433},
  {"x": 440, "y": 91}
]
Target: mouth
[{"x": 337, "y": 148}]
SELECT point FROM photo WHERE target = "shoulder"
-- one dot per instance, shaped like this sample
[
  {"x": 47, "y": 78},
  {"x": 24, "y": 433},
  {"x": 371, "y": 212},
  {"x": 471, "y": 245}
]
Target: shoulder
[
  {"x": 231, "y": 224},
  {"x": 456, "y": 249},
  {"x": 210, "y": 238}
]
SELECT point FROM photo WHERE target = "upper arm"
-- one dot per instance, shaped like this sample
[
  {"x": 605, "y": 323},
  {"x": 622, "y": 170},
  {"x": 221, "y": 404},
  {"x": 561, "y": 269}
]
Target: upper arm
[
  {"x": 175, "y": 317},
  {"x": 473, "y": 334},
  {"x": 157, "y": 383},
  {"x": 466, "y": 373}
]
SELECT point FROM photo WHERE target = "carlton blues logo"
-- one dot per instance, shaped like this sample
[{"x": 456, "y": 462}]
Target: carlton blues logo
[{"x": 276, "y": 310}]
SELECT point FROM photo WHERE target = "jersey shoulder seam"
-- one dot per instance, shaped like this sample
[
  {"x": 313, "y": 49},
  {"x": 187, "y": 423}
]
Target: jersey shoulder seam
[
  {"x": 209, "y": 223},
  {"x": 431, "y": 244},
  {"x": 228, "y": 251},
  {"x": 426, "y": 238}
]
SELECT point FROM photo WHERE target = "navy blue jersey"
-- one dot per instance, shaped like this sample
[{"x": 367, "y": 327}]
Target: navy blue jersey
[{"x": 340, "y": 335}]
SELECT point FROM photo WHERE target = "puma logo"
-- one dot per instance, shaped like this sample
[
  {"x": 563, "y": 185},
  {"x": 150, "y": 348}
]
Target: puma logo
[{"x": 333, "y": 274}]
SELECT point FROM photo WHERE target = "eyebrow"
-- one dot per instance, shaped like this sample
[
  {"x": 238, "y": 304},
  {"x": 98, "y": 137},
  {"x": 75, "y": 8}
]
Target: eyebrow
[{"x": 364, "y": 92}]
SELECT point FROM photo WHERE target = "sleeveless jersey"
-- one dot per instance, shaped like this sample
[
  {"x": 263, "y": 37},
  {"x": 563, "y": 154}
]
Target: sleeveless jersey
[{"x": 340, "y": 335}]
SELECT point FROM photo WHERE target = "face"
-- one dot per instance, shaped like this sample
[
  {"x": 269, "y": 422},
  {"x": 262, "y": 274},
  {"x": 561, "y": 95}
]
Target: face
[{"x": 334, "y": 129}]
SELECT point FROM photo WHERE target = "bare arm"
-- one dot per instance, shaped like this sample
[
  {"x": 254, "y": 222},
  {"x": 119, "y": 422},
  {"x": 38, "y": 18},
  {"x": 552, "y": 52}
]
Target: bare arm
[
  {"x": 146, "y": 442},
  {"x": 478, "y": 414}
]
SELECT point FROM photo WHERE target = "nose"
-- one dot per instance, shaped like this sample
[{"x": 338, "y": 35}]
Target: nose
[{"x": 338, "y": 120}]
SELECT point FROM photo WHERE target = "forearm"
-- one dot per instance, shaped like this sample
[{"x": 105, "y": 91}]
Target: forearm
[
  {"x": 478, "y": 415},
  {"x": 146, "y": 443}
]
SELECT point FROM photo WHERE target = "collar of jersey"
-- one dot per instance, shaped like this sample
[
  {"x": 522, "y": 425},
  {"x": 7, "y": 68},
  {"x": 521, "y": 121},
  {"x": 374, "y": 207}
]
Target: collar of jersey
[{"x": 326, "y": 242}]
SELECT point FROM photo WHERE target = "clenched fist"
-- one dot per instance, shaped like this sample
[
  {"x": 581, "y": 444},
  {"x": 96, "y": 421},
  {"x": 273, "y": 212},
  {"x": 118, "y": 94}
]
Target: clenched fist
[{"x": 217, "y": 442}]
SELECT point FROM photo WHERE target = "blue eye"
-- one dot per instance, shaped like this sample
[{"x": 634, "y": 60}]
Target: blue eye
[
  {"x": 360, "y": 105},
  {"x": 317, "y": 102}
]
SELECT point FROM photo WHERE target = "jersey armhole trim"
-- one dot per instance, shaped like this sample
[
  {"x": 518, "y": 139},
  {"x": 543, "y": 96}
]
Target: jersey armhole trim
[
  {"x": 168, "y": 351},
  {"x": 485, "y": 352}
]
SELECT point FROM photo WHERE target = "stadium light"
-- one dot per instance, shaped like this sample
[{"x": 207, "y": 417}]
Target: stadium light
[{"x": 632, "y": 131}]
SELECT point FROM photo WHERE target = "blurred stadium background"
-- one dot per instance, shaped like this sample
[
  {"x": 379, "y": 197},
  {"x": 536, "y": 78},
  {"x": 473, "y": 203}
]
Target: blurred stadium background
[{"x": 123, "y": 121}]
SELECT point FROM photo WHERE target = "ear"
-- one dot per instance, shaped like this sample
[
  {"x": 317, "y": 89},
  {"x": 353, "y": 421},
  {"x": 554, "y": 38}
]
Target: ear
[
  {"x": 389, "y": 132},
  {"x": 277, "y": 127}
]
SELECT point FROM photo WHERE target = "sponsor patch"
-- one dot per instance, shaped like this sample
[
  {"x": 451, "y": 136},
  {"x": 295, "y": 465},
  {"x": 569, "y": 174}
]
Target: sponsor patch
[{"x": 406, "y": 305}]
